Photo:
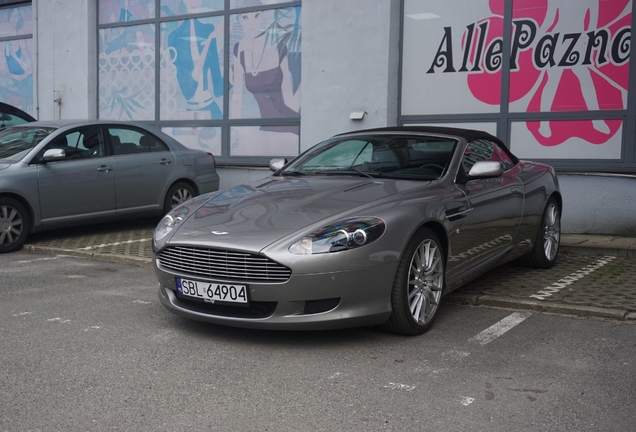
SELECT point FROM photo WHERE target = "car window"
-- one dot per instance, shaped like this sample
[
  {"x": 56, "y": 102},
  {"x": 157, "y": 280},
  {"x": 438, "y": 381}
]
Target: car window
[
  {"x": 127, "y": 141},
  {"x": 15, "y": 143},
  {"x": 507, "y": 160},
  {"x": 82, "y": 143},
  {"x": 345, "y": 154},
  {"x": 7, "y": 120},
  {"x": 410, "y": 157},
  {"x": 485, "y": 150},
  {"x": 478, "y": 151}
]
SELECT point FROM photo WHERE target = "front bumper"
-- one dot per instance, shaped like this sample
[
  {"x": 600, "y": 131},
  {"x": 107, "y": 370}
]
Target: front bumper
[{"x": 354, "y": 298}]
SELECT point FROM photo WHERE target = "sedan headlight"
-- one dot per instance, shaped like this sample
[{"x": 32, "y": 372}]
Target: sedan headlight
[
  {"x": 339, "y": 236},
  {"x": 169, "y": 222}
]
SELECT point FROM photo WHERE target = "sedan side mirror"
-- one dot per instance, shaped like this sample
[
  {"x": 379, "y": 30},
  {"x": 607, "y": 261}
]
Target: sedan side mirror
[
  {"x": 53, "y": 154},
  {"x": 486, "y": 169},
  {"x": 277, "y": 163}
]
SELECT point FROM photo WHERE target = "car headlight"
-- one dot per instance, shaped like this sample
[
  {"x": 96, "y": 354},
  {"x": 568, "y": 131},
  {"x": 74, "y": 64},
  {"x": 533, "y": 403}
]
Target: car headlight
[
  {"x": 345, "y": 234},
  {"x": 169, "y": 222}
]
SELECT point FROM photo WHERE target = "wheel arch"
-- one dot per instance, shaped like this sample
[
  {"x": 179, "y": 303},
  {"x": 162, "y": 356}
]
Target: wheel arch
[
  {"x": 26, "y": 204},
  {"x": 440, "y": 232},
  {"x": 557, "y": 196},
  {"x": 186, "y": 180}
]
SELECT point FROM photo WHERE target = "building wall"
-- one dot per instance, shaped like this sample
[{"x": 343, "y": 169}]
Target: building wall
[
  {"x": 350, "y": 63},
  {"x": 66, "y": 59},
  {"x": 598, "y": 204}
]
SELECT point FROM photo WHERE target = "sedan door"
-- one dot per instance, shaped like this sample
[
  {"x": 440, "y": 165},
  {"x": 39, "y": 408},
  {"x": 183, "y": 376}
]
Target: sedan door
[
  {"x": 82, "y": 184},
  {"x": 143, "y": 166}
]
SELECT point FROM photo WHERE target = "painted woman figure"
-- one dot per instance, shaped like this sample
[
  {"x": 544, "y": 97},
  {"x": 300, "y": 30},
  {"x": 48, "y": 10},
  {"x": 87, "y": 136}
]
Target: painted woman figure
[
  {"x": 263, "y": 67},
  {"x": 197, "y": 62}
]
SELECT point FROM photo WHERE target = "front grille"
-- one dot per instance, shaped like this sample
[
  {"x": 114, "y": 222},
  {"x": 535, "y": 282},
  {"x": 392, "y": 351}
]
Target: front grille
[{"x": 222, "y": 264}]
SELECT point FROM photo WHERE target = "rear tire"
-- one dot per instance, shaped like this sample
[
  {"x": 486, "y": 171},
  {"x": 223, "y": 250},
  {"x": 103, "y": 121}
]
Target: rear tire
[
  {"x": 15, "y": 225},
  {"x": 177, "y": 194},
  {"x": 546, "y": 245},
  {"x": 418, "y": 286}
]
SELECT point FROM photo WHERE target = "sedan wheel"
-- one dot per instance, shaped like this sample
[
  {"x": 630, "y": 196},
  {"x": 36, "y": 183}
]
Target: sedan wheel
[
  {"x": 546, "y": 246},
  {"x": 178, "y": 194},
  {"x": 14, "y": 225},
  {"x": 418, "y": 286}
]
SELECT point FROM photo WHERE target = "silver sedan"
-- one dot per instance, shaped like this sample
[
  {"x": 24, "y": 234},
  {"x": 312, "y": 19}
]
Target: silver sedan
[
  {"x": 64, "y": 173},
  {"x": 367, "y": 228}
]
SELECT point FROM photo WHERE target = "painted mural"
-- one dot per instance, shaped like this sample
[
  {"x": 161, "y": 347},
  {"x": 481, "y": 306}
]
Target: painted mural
[
  {"x": 263, "y": 81},
  {"x": 16, "y": 65},
  {"x": 265, "y": 78}
]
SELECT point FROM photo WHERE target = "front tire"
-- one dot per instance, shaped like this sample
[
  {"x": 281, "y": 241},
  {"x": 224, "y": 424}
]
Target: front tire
[
  {"x": 546, "y": 246},
  {"x": 178, "y": 194},
  {"x": 15, "y": 225},
  {"x": 419, "y": 282}
]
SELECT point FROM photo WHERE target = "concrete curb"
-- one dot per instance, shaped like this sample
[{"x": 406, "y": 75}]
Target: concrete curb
[
  {"x": 539, "y": 306},
  {"x": 120, "y": 259},
  {"x": 581, "y": 244}
]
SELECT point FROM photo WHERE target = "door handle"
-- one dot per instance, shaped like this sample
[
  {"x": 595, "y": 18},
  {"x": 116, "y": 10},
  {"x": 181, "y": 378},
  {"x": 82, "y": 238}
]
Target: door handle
[
  {"x": 165, "y": 161},
  {"x": 104, "y": 168}
]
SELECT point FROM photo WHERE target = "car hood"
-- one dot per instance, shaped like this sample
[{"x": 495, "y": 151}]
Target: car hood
[
  {"x": 4, "y": 165},
  {"x": 252, "y": 216}
]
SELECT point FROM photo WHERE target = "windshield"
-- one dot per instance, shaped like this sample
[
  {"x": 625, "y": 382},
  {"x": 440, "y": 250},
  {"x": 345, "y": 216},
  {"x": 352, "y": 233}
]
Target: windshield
[
  {"x": 390, "y": 156},
  {"x": 16, "y": 142}
]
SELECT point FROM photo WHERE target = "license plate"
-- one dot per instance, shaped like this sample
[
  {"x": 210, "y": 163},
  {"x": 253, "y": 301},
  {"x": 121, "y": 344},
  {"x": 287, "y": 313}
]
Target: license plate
[{"x": 212, "y": 292}]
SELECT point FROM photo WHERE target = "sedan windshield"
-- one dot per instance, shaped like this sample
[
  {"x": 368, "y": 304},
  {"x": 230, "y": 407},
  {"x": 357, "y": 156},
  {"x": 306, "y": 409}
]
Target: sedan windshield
[
  {"x": 387, "y": 156},
  {"x": 16, "y": 142}
]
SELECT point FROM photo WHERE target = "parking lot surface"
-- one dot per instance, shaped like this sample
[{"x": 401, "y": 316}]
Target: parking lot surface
[
  {"x": 87, "y": 346},
  {"x": 595, "y": 276}
]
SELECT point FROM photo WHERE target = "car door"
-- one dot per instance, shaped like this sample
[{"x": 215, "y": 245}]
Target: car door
[
  {"x": 494, "y": 206},
  {"x": 80, "y": 185},
  {"x": 143, "y": 166}
]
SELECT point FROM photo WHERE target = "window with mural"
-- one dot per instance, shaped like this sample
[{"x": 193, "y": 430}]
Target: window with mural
[
  {"x": 222, "y": 76},
  {"x": 16, "y": 65},
  {"x": 553, "y": 75}
]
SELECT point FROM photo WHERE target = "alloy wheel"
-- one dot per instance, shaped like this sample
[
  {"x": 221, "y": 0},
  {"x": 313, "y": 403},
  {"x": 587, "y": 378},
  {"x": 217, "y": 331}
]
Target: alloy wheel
[
  {"x": 180, "y": 196},
  {"x": 425, "y": 281},
  {"x": 551, "y": 231},
  {"x": 11, "y": 225}
]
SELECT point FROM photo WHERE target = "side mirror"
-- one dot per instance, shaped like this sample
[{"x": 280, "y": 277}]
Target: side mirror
[
  {"x": 53, "y": 154},
  {"x": 486, "y": 169},
  {"x": 277, "y": 163}
]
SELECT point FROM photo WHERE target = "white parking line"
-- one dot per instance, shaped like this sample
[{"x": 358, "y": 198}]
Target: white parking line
[
  {"x": 115, "y": 244},
  {"x": 41, "y": 259},
  {"x": 568, "y": 280},
  {"x": 496, "y": 330}
]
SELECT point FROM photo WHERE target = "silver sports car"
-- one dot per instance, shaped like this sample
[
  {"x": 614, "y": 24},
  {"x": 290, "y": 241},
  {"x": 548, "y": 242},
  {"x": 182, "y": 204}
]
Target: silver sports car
[
  {"x": 367, "y": 228},
  {"x": 70, "y": 172}
]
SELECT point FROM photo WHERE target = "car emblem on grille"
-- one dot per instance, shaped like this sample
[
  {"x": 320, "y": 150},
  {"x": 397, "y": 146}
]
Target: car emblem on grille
[{"x": 220, "y": 232}]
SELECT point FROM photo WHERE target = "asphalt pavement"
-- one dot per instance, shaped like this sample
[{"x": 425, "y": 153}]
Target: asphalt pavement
[{"x": 595, "y": 276}]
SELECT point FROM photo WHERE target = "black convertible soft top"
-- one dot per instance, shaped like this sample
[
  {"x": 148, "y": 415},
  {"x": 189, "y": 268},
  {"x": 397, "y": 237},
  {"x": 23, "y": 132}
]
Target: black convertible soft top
[{"x": 467, "y": 134}]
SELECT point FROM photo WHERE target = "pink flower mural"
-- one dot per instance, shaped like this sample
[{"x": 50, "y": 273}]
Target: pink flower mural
[{"x": 565, "y": 56}]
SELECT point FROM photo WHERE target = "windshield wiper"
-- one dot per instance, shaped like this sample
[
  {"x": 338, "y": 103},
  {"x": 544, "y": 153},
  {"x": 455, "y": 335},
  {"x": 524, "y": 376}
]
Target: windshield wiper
[{"x": 348, "y": 171}]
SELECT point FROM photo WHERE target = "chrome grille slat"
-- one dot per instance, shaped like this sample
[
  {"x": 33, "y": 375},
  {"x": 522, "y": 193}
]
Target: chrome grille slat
[{"x": 219, "y": 264}]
